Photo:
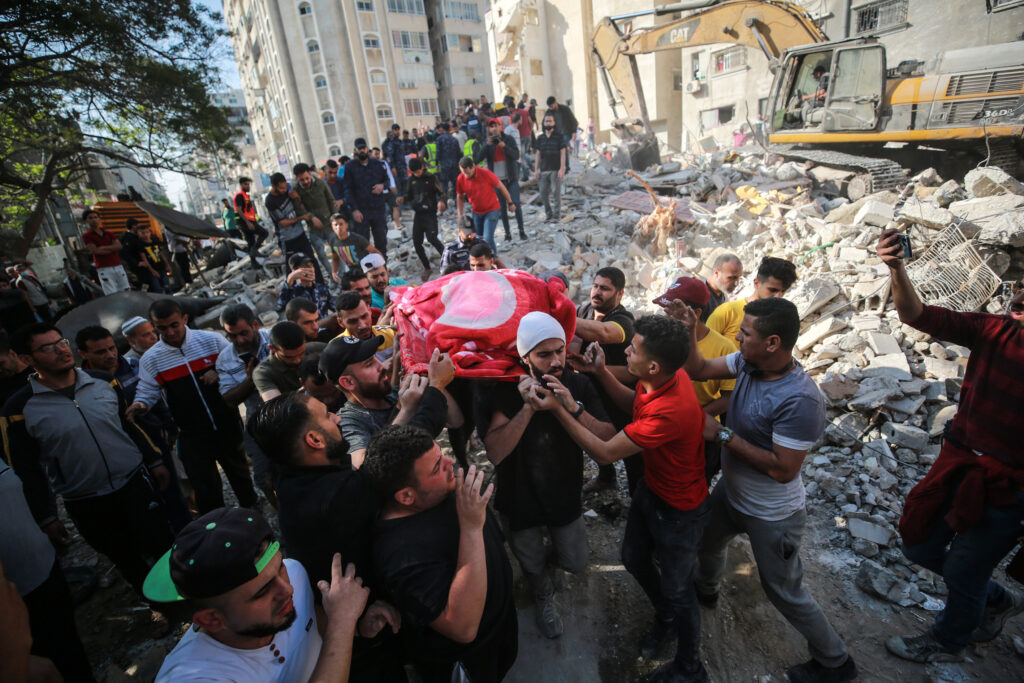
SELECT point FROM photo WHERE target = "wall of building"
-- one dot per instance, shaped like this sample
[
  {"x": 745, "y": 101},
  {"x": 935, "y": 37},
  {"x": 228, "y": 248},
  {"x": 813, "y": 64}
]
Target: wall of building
[{"x": 462, "y": 65}]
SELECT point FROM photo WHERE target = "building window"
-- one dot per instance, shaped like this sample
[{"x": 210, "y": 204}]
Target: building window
[
  {"x": 364, "y": 5},
  {"x": 406, "y": 6},
  {"x": 466, "y": 11},
  {"x": 327, "y": 117},
  {"x": 411, "y": 39},
  {"x": 304, "y": 9},
  {"x": 411, "y": 74},
  {"x": 728, "y": 60},
  {"x": 464, "y": 76},
  {"x": 711, "y": 118},
  {"x": 312, "y": 47},
  {"x": 461, "y": 43},
  {"x": 416, "y": 57},
  {"x": 420, "y": 107},
  {"x": 384, "y": 112},
  {"x": 335, "y": 151},
  {"x": 378, "y": 77},
  {"x": 536, "y": 67},
  {"x": 320, "y": 82},
  {"x": 881, "y": 15},
  {"x": 371, "y": 42}
]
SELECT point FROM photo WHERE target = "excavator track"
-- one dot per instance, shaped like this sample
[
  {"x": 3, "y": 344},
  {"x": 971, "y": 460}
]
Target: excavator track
[{"x": 874, "y": 174}]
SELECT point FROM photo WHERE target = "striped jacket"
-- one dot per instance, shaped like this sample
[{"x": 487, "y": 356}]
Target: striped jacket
[
  {"x": 195, "y": 405},
  {"x": 79, "y": 447}
]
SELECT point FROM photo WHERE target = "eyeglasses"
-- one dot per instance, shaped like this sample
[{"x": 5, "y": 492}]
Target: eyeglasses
[{"x": 50, "y": 348}]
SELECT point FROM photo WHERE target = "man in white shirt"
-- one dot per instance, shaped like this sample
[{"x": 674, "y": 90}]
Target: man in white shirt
[{"x": 252, "y": 611}]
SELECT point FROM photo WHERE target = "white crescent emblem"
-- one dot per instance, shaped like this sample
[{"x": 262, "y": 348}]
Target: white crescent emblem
[{"x": 477, "y": 300}]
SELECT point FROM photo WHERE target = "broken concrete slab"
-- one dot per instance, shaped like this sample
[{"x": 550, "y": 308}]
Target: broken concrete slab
[
  {"x": 926, "y": 214},
  {"x": 937, "y": 422},
  {"x": 892, "y": 365},
  {"x": 874, "y": 212},
  {"x": 883, "y": 344},
  {"x": 820, "y": 329},
  {"x": 943, "y": 369},
  {"x": 861, "y": 528},
  {"x": 991, "y": 181},
  {"x": 905, "y": 435}
]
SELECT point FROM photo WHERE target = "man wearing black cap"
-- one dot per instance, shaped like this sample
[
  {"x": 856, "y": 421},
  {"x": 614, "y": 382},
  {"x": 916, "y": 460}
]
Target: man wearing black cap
[
  {"x": 441, "y": 556},
  {"x": 301, "y": 283},
  {"x": 372, "y": 403},
  {"x": 364, "y": 182},
  {"x": 394, "y": 153},
  {"x": 252, "y": 611}
]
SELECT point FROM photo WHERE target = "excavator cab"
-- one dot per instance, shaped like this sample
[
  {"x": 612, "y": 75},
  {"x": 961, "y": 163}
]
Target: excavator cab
[{"x": 833, "y": 89}]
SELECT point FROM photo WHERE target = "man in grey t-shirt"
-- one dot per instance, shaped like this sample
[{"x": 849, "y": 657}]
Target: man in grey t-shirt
[{"x": 776, "y": 413}]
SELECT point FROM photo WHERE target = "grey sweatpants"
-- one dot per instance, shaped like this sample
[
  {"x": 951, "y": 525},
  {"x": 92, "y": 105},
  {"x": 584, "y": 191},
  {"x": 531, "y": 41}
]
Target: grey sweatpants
[
  {"x": 551, "y": 193},
  {"x": 776, "y": 547},
  {"x": 568, "y": 548}
]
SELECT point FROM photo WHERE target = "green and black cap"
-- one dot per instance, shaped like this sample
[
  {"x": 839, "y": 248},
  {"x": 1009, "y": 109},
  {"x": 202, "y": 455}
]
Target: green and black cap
[{"x": 211, "y": 556}]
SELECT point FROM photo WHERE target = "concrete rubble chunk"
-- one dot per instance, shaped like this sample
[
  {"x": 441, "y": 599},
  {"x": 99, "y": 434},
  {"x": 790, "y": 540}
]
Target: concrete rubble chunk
[
  {"x": 883, "y": 344},
  {"x": 846, "y": 429},
  {"x": 1006, "y": 229},
  {"x": 926, "y": 214},
  {"x": 874, "y": 212},
  {"x": 874, "y": 392},
  {"x": 838, "y": 388},
  {"x": 991, "y": 181},
  {"x": 943, "y": 369},
  {"x": 812, "y": 295},
  {"x": 893, "y": 365},
  {"x": 905, "y": 435},
  {"x": 869, "y": 531},
  {"x": 821, "y": 328}
]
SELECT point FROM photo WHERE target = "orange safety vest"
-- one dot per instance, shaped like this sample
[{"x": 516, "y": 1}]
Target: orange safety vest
[{"x": 248, "y": 211}]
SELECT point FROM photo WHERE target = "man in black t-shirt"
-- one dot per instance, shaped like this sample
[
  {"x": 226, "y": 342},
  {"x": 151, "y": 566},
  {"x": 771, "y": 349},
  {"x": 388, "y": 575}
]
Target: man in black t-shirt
[
  {"x": 539, "y": 466},
  {"x": 604, "y": 320},
  {"x": 435, "y": 528},
  {"x": 551, "y": 162}
]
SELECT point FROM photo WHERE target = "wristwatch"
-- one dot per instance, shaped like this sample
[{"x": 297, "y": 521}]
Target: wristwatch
[
  {"x": 579, "y": 410},
  {"x": 724, "y": 435}
]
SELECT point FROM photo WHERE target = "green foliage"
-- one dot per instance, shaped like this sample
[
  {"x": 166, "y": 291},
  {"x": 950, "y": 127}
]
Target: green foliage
[{"x": 124, "y": 78}]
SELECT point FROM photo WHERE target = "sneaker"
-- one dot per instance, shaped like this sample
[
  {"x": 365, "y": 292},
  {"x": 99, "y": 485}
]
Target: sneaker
[
  {"x": 709, "y": 600},
  {"x": 668, "y": 673},
  {"x": 654, "y": 641},
  {"x": 522, "y": 235},
  {"x": 922, "y": 648},
  {"x": 993, "y": 621},
  {"x": 816, "y": 672},
  {"x": 548, "y": 620}
]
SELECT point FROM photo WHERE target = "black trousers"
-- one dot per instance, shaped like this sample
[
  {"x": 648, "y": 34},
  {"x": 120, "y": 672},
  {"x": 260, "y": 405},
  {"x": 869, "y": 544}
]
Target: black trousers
[
  {"x": 375, "y": 225},
  {"x": 201, "y": 452},
  {"x": 129, "y": 526},
  {"x": 52, "y": 621},
  {"x": 181, "y": 258},
  {"x": 254, "y": 238},
  {"x": 424, "y": 224}
]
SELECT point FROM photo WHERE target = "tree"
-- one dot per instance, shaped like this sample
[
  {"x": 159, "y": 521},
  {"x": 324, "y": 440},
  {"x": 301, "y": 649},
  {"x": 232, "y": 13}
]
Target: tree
[{"x": 126, "y": 79}]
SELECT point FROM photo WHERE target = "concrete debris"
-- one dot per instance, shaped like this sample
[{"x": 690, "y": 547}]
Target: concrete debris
[{"x": 991, "y": 181}]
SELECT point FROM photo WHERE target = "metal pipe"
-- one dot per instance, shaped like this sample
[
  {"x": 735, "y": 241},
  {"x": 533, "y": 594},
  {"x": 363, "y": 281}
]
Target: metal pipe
[{"x": 662, "y": 10}]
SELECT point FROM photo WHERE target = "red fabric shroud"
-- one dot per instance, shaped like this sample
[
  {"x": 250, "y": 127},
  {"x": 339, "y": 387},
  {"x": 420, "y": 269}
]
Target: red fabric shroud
[{"x": 473, "y": 316}]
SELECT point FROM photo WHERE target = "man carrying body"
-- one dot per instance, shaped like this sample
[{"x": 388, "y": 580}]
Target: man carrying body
[
  {"x": 725, "y": 276},
  {"x": 774, "y": 277},
  {"x": 606, "y": 321},
  {"x": 482, "y": 188},
  {"x": 550, "y": 164},
  {"x": 372, "y": 403},
  {"x": 380, "y": 282},
  {"x": 456, "y": 252},
  {"x": 669, "y": 508},
  {"x": 140, "y": 335},
  {"x": 318, "y": 200},
  {"x": 64, "y": 433},
  {"x": 253, "y": 617},
  {"x": 279, "y": 372},
  {"x": 965, "y": 516},
  {"x": 355, "y": 280},
  {"x": 356, "y": 320},
  {"x": 104, "y": 246},
  {"x": 364, "y": 182},
  {"x": 538, "y": 466},
  {"x": 776, "y": 413},
  {"x": 181, "y": 368},
  {"x": 302, "y": 283},
  {"x": 249, "y": 222},
  {"x": 441, "y": 556},
  {"x": 250, "y": 345},
  {"x": 306, "y": 315},
  {"x": 289, "y": 223}
]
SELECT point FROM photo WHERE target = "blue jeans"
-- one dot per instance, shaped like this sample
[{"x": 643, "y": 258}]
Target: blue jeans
[
  {"x": 655, "y": 529},
  {"x": 966, "y": 561},
  {"x": 486, "y": 224}
]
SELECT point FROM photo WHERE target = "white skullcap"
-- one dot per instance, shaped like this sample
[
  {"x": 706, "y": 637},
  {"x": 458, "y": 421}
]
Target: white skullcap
[
  {"x": 535, "y": 327},
  {"x": 130, "y": 324}
]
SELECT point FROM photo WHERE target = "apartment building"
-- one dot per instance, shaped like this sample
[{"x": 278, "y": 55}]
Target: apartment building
[
  {"x": 458, "y": 42},
  {"x": 319, "y": 73}
]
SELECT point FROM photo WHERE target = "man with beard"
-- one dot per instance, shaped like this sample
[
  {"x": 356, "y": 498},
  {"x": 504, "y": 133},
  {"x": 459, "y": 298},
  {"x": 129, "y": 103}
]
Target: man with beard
[
  {"x": 606, "y": 321},
  {"x": 140, "y": 335},
  {"x": 279, "y": 373},
  {"x": 376, "y": 270},
  {"x": 539, "y": 467},
  {"x": 365, "y": 182},
  {"x": 371, "y": 403},
  {"x": 357, "y": 321},
  {"x": 306, "y": 315},
  {"x": 669, "y": 508},
  {"x": 252, "y": 611},
  {"x": 774, "y": 277},
  {"x": 725, "y": 276},
  {"x": 327, "y": 507}
]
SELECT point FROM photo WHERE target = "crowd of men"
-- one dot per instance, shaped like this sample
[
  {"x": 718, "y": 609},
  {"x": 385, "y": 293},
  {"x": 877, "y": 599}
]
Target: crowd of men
[{"x": 389, "y": 555}]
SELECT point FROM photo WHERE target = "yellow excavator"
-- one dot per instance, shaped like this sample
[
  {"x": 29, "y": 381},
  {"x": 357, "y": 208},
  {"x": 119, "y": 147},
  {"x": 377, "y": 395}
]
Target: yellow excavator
[{"x": 836, "y": 103}]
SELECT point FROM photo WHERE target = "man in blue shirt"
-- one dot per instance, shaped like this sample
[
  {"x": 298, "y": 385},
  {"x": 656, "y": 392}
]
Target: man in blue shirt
[{"x": 364, "y": 183}]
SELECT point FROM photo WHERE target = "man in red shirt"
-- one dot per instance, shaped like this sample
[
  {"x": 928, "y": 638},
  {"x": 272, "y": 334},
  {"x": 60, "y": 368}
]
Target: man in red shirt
[
  {"x": 479, "y": 185},
  {"x": 669, "y": 509},
  {"x": 104, "y": 246},
  {"x": 965, "y": 516}
]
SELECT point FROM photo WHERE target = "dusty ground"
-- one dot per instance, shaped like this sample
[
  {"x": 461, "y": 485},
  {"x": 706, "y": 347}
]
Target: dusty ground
[{"x": 605, "y": 613}]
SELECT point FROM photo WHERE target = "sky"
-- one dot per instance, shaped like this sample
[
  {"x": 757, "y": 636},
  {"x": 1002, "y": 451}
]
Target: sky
[{"x": 174, "y": 183}]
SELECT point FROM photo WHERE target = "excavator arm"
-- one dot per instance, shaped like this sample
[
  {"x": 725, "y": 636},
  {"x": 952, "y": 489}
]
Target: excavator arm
[{"x": 772, "y": 26}]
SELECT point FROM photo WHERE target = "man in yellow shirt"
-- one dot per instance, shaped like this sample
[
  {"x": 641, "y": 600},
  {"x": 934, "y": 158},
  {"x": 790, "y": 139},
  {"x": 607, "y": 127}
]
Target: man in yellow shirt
[
  {"x": 774, "y": 277},
  {"x": 712, "y": 394}
]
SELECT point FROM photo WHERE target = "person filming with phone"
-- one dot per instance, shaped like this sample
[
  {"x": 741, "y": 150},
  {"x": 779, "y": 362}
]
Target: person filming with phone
[{"x": 965, "y": 516}]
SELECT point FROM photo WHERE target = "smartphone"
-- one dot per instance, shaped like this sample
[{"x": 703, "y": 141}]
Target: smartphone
[
  {"x": 908, "y": 252},
  {"x": 539, "y": 376}
]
